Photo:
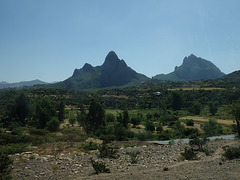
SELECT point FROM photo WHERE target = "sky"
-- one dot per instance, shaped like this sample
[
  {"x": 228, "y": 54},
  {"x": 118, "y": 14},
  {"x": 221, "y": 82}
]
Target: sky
[{"x": 48, "y": 39}]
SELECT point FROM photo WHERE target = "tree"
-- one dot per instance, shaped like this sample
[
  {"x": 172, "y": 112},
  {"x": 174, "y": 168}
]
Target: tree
[
  {"x": 72, "y": 120},
  {"x": 212, "y": 128},
  {"x": 5, "y": 169},
  {"x": 213, "y": 107},
  {"x": 123, "y": 118},
  {"x": 95, "y": 117},
  {"x": 53, "y": 124},
  {"x": 195, "y": 108},
  {"x": 135, "y": 121},
  {"x": 177, "y": 101},
  {"x": 45, "y": 111},
  {"x": 81, "y": 118},
  {"x": 235, "y": 111},
  {"x": 149, "y": 126},
  {"x": 22, "y": 109},
  {"x": 61, "y": 113}
]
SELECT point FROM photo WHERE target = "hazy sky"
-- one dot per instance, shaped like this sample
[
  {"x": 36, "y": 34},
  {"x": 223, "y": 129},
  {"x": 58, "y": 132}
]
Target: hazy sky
[{"x": 48, "y": 39}]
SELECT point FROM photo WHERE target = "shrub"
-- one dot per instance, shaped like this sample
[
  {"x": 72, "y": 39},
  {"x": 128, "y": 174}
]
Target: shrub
[
  {"x": 190, "y": 122},
  {"x": 106, "y": 151},
  {"x": 133, "y": 155},
  {"x": 145, "y": 136},
  {"x": 55, "y": 167},
  {"x": 110, "y": 117},
  {"x": 189, "y": 154},
  {"x": 150, "y": 126},
  {"x": 212, "y": 128},
  {"x": 232, "y": 153},
  {"x": 88, "y": 146},
  {"x": 5, "y": 169},
  {"x": 99, "y": 167},
  {"x": 14, "y": 148},
  {"x": 53, "y": 124},
  {"x": 199, "y": 142}
]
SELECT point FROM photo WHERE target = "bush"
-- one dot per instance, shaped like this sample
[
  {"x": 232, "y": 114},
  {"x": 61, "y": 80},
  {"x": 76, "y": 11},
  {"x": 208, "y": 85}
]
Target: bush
[
  {"x": 212, "y": 128},
  {"x": 150, "y": 126},
  {"x": 5, "y": 169},
  {"x": 14, "y": 148},
  {"x": 106, "y": 151},
  {"x": 190, "y": 122},
  {"x": 145, "y": 136},
  {"x": 199, "y": 142},
  {"x": 232, "y": 153},
  {"x": 53, "y": 124},
  {"x": 72, "y": 135},
  {"x": 99, "y": 167},
  {"x": 110, "y": 117},
  {"x": 189, "y": 154},
  {"x": 133, "y": 155},
  {"x": 88, "y": 146}
]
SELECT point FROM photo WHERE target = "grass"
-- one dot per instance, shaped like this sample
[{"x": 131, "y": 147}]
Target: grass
[{"x": 227, "y": 123}]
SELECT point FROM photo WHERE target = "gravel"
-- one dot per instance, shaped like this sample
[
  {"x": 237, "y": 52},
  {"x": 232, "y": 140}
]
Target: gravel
[{"x": 153, "y": 162}]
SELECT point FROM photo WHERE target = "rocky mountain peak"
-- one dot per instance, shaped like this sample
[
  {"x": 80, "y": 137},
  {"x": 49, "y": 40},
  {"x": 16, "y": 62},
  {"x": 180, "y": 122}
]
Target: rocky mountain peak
[
  {"x": 111, "y": 60},
  {"x": 87, "y": 67}
]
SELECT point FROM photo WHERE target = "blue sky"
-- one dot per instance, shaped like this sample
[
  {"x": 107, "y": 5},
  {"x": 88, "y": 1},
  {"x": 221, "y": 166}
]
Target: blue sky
[{"x": 48, "y": 39}]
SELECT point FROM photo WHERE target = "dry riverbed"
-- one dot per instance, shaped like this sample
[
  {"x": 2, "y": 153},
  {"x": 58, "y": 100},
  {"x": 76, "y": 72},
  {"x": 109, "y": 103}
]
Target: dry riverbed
[{"x": 153, "y": 162}]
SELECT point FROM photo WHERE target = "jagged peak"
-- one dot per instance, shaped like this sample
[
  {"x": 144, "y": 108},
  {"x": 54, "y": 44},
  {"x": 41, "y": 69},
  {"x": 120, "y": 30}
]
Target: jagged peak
[
  {"x": 87, "y": 67},
  {"x": 111, "y": 59}
]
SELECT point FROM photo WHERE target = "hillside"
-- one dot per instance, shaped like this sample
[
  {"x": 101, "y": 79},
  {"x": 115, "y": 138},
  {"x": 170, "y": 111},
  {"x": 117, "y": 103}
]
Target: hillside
[
  {"x": 113, "y": 72},
  {"x": 4, "y": 84},
  {"x": 193, "y": 68},
  {"x": 234, "y": 76}
]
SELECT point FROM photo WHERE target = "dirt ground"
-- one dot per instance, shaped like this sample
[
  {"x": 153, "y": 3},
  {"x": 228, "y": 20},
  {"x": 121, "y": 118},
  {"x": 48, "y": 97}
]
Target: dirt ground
[{"x": 154, "y": 162}]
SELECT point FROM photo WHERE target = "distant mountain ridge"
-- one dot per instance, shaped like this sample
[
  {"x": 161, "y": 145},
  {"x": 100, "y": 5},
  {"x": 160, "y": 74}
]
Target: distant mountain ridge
[
  {"x": 193, "y": 68},
  {"x": 5, "y": 84},
  {"x": 234, "y": 76},
  {"x": 113, "y": 72}
]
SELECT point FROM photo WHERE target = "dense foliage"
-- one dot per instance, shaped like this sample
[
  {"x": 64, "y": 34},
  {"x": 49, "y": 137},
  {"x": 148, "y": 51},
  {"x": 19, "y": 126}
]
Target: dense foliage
[{"x": 150, "y": 111}]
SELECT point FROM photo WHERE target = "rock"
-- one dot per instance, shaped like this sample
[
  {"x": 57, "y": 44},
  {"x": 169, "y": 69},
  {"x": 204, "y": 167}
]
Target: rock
[{"x": 165, "y": 168}]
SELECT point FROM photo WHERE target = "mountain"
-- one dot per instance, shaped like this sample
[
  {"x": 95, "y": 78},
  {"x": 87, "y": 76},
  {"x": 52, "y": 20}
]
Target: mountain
[
  {"x": 113, "y": 72},
  {"x": 193, "y": 68},
  {"x": 4, "y": 84},
  {"x": 234, "y": 76}
]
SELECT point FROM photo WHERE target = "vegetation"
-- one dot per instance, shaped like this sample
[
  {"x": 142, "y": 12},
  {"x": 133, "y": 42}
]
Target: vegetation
[
  {"x": 35, "y": 116},
  {"x": 133, "y": 155},
  {"x": 99, "y": 167},
  {"x": 5, "y": 169},
  {"x": 188, "y": 154},
  {"x": 232, "y": 153}
]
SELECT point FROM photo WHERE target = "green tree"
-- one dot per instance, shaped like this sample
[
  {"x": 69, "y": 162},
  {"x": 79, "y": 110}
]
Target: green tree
[
  {"x": 177, "y": 101},
  {"x": 53, "y": 124},
  {"x": 61, "y": 112},
  {"x": 22, "y": 108},
  {"x": 123, "y": 118},
  {"x": 212, "y": 128},
  {"x": 195, "y": 108},
  {"x": 81, "y": 118},
  {"x": 72, "y": 120},
  {"x": 135, "y": 121},
  {"x": 149, "y": 126},
  {"x": 5, "y": 169},
  {"x": 45, "y": 111},
  {"x": 235, "y": 111},
  {"x": 95, "y": 117},
  {"x": 213, "y": 107}
]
